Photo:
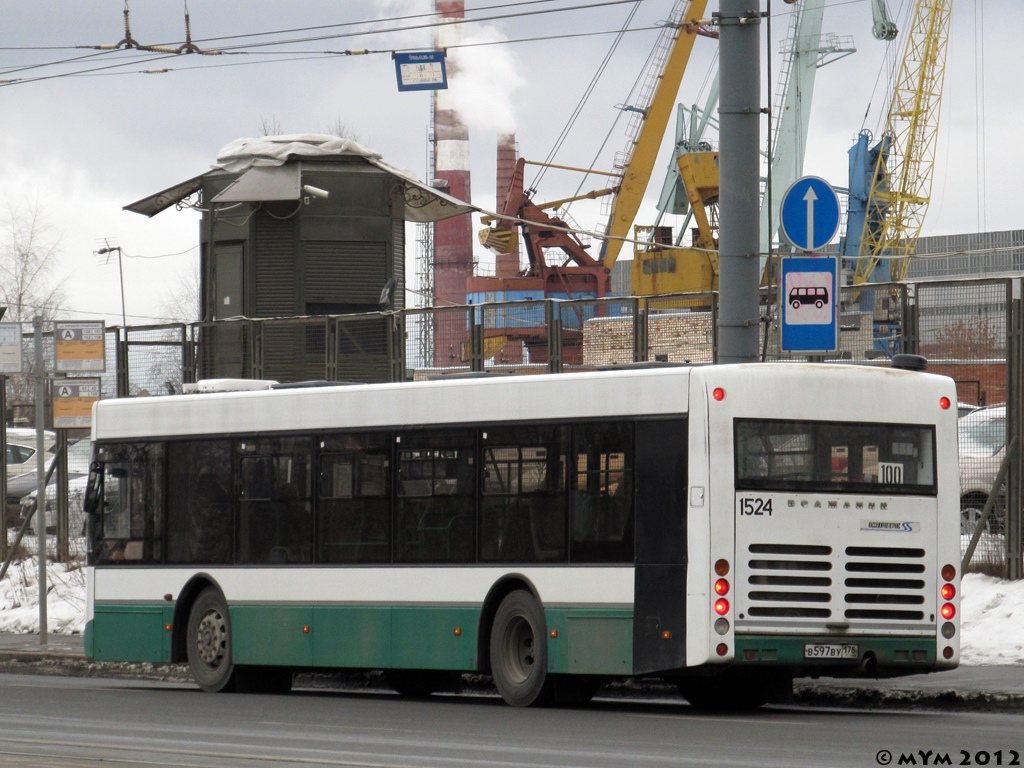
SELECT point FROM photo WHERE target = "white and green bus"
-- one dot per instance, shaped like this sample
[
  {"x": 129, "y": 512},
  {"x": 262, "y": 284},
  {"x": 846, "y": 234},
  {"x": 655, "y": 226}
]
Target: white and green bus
[{"x": 723, "y": 528}]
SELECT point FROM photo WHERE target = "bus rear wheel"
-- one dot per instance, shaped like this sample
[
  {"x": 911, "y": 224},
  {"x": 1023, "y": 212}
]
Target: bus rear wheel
[
  {"x": 519, "y": 653},
  {"x": 208, "y": 642}
]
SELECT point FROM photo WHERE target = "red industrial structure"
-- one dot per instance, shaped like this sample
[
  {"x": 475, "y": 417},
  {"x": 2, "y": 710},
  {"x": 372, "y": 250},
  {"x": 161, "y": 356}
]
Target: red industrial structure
[{"x": 453, "y": 238}]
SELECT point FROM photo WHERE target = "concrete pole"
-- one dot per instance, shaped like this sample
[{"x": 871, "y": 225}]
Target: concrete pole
[{"x": 739, "y": 110}]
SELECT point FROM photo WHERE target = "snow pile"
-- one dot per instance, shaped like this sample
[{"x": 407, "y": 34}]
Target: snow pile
[
  {"x": 65, "y": 597},
  {"x": 992, "y": 617},
  {"x": 992, "y": 610}
]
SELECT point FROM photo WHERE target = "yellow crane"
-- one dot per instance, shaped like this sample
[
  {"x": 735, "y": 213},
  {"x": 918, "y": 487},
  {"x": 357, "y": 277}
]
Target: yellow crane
[
  {"x": 902, "y": 179},
  {"x": 574, "y": 273},
  {"x": 643, "y": 152}
]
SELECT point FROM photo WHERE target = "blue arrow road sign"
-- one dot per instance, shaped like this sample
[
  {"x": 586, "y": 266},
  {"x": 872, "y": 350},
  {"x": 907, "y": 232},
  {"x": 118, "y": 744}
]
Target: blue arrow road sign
[{"x": 810, "y": 213}]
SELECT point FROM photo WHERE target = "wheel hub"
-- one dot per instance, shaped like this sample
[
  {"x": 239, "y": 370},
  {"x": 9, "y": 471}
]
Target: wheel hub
[
  {"x": 520, "y": 644},
  {"x": 211, "y": 638}
]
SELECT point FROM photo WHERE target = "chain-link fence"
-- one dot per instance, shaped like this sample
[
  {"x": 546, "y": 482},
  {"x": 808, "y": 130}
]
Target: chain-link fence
[{"x": 969, "y": 330}]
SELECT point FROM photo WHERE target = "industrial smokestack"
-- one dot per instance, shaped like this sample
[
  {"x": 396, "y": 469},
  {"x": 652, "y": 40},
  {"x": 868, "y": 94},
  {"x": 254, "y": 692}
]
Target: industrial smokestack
[
  {"x": 507, "y": 264},
  {"x": 453, "y": 238}
]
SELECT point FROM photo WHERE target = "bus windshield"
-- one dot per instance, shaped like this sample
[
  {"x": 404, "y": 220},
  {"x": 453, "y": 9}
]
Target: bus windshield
[{"x": 831, "y": 457}]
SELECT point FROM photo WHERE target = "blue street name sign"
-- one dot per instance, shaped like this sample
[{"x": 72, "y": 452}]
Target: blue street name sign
[
  {"x": 809, "y": 318},
  {"x": 809, "y": 215}
]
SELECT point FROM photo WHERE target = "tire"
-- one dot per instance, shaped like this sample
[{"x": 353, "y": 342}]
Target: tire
[
  {"x": 419, "y": 684},
  {"x": 208, "y": 642},
  {"x": 819, "y": 304},
  {"x": 519, "y": 650},
  {"x": 971, "y": 508},
  {"x": 794, "y": 304}
]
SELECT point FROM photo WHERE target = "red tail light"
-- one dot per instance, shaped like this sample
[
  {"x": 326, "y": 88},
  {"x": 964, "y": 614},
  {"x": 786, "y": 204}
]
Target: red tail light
[
  {"x": 948, "y": 591},
  {"x": 948, "y": 611},
  {"x": 718, "y": 393},
  {"x": 722, "y": 606},
  {"x": 944, "y": 403}
]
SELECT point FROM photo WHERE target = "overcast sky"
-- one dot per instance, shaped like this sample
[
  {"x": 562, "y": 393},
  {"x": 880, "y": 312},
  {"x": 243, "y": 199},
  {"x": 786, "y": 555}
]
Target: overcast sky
[{"x": 81, "y": 146}]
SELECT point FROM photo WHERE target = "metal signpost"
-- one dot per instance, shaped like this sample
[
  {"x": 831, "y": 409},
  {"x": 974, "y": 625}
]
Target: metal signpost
[{"x": 10, "y": 362}]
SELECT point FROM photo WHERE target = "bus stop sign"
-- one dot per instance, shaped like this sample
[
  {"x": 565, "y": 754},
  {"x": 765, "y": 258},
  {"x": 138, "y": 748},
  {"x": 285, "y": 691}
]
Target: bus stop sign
[{"x": 809, "y": 318}]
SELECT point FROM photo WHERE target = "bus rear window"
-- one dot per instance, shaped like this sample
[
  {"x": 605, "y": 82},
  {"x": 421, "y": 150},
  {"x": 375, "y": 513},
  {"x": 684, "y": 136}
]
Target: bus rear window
[{"x": 826, "y": 456}]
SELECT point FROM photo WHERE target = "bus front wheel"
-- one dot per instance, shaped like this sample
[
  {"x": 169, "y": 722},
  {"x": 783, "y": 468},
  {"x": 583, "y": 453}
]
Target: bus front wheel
[
  {"x": 209, "y": 642},
  {"x": 519, "y": 653}
]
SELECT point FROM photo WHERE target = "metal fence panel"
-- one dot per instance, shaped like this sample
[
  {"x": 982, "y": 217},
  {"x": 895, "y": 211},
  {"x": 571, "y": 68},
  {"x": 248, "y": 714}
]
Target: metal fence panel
[
  {"x": 450, "y": 350},
  {"x": 363, "y": 348},
  {"x": 225, "y": 349},
  {"x": 681, "y": 328},
  {"x": 598, "y": 333},
  {"x": 962, "y": 328},
  {"x": 515, "y": 336},
  {"x": 158, "y": 359}
]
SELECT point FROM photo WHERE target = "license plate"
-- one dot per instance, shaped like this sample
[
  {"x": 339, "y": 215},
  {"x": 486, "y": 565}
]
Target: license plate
[{"x": 829, "y": 651}]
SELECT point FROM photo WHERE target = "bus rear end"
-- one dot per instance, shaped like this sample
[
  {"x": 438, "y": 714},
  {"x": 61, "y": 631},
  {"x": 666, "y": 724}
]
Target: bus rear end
[{"x": 832, "y": 516}]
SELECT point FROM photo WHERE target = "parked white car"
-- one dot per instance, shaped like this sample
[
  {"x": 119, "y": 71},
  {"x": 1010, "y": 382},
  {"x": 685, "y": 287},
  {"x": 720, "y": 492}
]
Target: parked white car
[
  {"x": 982, "y": 438},
  {"x": 79, "y": 457},
  {"x": 21, "y": 450}
]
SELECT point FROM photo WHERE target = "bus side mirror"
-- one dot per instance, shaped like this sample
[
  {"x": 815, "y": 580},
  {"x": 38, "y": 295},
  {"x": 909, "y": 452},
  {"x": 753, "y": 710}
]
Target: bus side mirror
[{"x": 94, "y": 490}]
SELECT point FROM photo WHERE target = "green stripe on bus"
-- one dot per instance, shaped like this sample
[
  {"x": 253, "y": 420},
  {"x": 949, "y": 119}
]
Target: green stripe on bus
[
  {"x": 590, "y": 641},
  {"x": 586, "y": 641},
  {"x": 350, "y": 636},
  {"x": 129, "y": 633},
  {"x": 912, "y": 652}
]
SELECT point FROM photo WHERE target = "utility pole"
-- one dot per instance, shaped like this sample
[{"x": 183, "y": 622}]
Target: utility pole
[
  {"x": 739, "y": 110},
  {"x": 120, "y": 269}
]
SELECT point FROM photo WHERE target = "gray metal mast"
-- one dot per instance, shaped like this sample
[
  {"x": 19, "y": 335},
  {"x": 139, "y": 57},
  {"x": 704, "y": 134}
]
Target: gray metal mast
[{"x": 739, "y": 215}]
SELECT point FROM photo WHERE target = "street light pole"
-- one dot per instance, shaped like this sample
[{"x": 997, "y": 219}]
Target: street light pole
[{"x": 120, "y": 269}]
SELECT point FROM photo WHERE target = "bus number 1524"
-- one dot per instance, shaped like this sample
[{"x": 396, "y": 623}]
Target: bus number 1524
[{"x": 756, "y": 506}]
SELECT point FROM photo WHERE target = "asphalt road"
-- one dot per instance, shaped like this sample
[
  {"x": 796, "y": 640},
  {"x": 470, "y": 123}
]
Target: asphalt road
[{"x": 53, "y": 720}]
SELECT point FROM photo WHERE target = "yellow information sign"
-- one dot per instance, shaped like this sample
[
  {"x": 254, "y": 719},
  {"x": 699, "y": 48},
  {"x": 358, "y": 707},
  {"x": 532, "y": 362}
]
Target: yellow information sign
[
  {"x": 79, "y": 346},
  {"x": 72, "y": 402}
]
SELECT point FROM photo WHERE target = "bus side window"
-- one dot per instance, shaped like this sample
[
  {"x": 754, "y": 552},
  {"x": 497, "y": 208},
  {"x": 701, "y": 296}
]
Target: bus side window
[
  {"x": 602, "y": 508},
  {"x": 128, "y": 504},
  {"x": 199, "y": 508},
  {"x": 435, "y": 521},
  {"x": 275, "y": 513},
  {"x": 353, "y": 508},
  {"x": 523, "y": 504}
]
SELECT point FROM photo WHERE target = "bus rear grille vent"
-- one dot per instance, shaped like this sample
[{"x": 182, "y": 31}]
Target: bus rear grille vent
[
  {"x": 886, "y": 591},
  {"x": 793, "y": 584},
  {"x": 789, "y": 549}
]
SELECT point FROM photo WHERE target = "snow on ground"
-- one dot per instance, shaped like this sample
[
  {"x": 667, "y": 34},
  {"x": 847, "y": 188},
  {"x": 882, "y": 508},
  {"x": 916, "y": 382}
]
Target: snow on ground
[
  {"x": 65, "y": 598},
  {"x": 992, "y": 610}
]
